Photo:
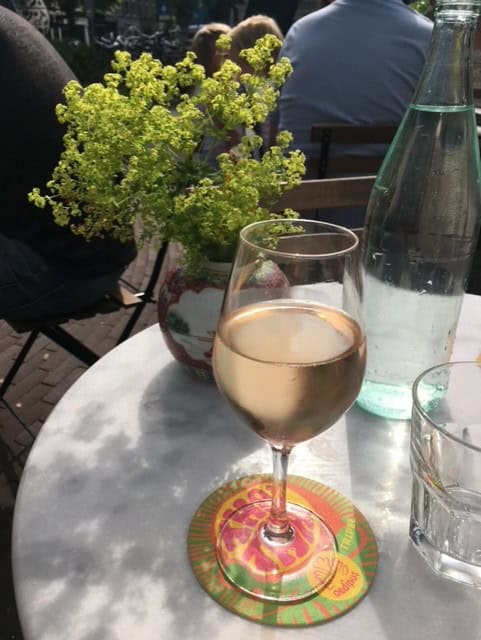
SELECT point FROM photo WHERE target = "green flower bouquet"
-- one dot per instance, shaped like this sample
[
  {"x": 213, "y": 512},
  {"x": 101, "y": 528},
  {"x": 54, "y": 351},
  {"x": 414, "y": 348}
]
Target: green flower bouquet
[{"x": 141, "y": 152}]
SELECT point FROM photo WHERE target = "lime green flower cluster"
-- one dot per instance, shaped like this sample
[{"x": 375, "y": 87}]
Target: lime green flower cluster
[{"x": 138, "y": 149}]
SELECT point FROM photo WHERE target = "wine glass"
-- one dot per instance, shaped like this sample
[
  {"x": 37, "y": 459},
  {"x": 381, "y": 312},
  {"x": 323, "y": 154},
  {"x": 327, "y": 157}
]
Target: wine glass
[{"x": 289, "y": 355}]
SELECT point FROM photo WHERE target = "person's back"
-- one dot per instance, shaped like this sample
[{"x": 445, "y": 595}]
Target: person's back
[
  {"x": 32, "y": 77},
  {"x": 355, "y": 61}
]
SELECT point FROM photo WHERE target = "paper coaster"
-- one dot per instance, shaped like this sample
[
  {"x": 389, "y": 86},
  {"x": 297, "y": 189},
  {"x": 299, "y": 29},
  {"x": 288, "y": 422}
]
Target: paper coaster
[{"x": 356, "y": 546}]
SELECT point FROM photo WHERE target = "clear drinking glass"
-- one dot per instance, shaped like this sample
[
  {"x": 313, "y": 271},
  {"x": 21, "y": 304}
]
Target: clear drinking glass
[
  {"x": 446, "y": 464},
  {"x": 289, "y": 355}
]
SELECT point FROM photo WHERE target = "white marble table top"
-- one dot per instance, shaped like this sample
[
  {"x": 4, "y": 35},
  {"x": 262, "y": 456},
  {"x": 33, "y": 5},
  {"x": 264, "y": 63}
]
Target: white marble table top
[{"x": 124, "y": 460}]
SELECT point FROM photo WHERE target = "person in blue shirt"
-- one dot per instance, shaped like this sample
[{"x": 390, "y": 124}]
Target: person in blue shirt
[{"x": 355, "y": 62}]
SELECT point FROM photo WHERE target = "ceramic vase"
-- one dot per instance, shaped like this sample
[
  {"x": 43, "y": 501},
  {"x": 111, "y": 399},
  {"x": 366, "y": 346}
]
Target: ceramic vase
[{"x": 188, "y": 311}]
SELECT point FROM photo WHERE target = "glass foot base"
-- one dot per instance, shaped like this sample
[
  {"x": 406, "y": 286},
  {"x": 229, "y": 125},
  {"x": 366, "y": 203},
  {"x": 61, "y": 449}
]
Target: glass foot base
[
  {"x": 444, "y": 564},
  {"x": 278, "y": 571}
]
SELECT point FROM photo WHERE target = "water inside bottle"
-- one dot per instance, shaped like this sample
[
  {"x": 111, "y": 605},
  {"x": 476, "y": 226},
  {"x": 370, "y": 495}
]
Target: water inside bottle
[{"x": 419, "y": 247}]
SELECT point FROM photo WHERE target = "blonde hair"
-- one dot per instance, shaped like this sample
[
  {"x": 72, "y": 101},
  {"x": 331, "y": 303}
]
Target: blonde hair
[
  {"x": 203, "y": 45},
  {"x": 245, "y": 33}
]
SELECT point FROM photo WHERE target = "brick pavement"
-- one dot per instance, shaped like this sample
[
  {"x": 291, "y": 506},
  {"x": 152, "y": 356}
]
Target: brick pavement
[{"x": 43, "y": 379}]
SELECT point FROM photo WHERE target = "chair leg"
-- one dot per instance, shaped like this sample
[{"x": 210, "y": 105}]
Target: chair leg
[
  {"x": 147, "y": 295},
  {"x": 18, "y": 362},
  {"x": 7, "y": 465},
  {"x": 70, "y": 344}
]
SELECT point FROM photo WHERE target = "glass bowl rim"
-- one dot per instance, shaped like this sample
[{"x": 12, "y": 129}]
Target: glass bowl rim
[
  {"x": 418, "y": 406},
  {"x": 301, "y": 256}
]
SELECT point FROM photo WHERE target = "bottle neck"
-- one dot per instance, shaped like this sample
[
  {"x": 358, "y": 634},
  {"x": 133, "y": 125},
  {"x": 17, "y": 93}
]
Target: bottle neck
[{"x": 447, "y": 76}]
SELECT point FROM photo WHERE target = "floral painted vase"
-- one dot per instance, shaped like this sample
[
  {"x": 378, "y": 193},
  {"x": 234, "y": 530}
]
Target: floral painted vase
[{"x": 189, "y": 308}]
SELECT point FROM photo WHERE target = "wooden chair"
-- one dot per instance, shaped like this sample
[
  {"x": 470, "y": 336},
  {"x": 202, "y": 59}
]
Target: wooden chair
[
  {"x": 121, "y": 297},
  {"x": 339, "y": 193},
  {"x": 329, "y": 193},
  {"x": 348, "y": 134},
  {"x": 332, "y": 194}
]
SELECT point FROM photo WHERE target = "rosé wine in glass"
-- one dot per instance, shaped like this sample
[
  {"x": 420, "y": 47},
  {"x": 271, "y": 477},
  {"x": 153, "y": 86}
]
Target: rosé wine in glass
[{"x": 291, "y": 361}]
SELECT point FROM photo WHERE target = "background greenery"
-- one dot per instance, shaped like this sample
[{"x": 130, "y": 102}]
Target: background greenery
[{"x": 90, "y": 63}]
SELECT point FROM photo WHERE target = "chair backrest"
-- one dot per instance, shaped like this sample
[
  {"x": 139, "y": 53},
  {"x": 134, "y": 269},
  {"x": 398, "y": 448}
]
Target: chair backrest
[
  {"x": 348, "y": 134},
  {"x": 329, "y": 193}
]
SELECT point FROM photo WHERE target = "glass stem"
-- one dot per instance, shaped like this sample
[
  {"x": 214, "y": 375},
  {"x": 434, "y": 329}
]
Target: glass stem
[{"x": 277, "y": 528}]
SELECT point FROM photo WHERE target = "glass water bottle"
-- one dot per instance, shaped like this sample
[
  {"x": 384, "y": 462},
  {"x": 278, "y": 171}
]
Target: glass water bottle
[{"x": 422, "y": 221}]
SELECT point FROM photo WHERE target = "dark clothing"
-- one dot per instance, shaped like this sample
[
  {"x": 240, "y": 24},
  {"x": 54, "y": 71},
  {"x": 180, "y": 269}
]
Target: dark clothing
[
  {"x": 32, "y": 77},
  {"x": 9, "y": 4},
  {"x": 31, "y": 287},
  {"x": 283, "y": 11}
]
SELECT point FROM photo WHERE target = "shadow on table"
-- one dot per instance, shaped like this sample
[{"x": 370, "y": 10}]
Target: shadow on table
[
  {"x": 406, "y": 596},
  {"x": 112, "y": 552}
]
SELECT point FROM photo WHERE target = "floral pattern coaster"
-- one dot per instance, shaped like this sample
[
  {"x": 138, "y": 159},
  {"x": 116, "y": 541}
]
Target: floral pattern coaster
[{"x": 356, "y": 546}]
